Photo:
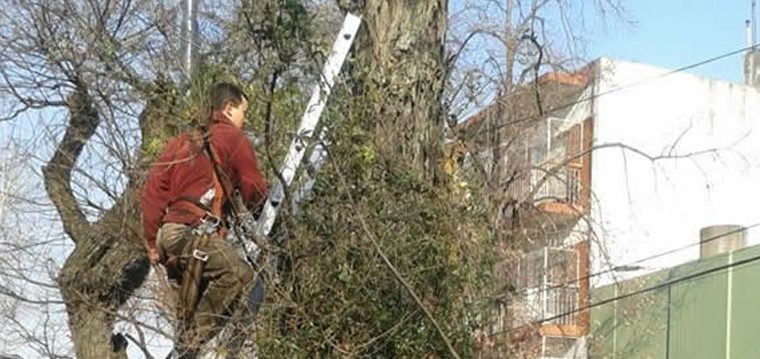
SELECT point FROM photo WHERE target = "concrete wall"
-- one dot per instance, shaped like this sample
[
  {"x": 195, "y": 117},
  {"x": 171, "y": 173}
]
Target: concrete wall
[{"x": 642, "y": 207}]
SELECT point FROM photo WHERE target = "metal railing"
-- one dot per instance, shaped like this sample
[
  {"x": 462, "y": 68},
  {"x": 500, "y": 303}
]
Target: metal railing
[
  {"x": 562, "y": 186},
  {"x": 539, "y": 294},
  {"x": 539, "y": 303}
]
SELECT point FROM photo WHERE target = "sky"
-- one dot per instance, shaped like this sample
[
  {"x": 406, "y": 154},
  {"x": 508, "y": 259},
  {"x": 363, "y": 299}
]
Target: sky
[
  {"x": 669, "y": 34},
  {"x": 675, "y": 33}
]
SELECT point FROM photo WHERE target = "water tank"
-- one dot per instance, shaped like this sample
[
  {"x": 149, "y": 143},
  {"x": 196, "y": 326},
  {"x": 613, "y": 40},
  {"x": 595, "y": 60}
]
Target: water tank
[{"x": 720, "y": 239}]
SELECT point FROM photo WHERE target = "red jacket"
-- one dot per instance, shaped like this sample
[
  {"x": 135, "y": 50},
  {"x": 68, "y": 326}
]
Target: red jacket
[{"x": 183, "y": 169}]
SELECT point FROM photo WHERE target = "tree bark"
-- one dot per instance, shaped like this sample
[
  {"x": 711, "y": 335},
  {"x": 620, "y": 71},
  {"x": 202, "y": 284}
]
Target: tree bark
[{"x": 401, "y": 73}]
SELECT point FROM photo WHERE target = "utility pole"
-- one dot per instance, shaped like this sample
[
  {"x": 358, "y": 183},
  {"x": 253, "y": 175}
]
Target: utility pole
[{"x": 189, "y": 38}]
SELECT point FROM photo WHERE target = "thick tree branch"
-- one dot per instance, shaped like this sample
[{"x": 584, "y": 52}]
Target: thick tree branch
[{"x": 83, "y": 121}]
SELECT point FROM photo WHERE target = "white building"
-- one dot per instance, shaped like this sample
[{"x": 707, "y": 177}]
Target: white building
[
  {"x": 703, "y": 137},
  {"x": 634, "y": 162}
]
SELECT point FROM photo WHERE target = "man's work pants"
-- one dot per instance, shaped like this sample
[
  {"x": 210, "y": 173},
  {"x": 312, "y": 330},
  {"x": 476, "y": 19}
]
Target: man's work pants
[{"x": 225, "y": 282}]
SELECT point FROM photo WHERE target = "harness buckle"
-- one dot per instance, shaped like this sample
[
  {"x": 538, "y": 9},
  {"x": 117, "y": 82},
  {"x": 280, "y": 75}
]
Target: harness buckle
[
  {"x": 210, "y": 219},
  {"x": 200, "y": 255},
  {"x": 209, "y": 224}
]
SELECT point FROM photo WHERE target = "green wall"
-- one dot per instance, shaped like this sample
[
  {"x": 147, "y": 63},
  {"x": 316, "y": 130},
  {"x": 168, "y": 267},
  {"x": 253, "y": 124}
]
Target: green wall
[{"x": 715, "y": 315}]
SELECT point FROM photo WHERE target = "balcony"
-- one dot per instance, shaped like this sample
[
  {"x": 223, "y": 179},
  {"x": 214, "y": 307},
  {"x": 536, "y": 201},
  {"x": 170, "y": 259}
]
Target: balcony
[
  {"x": 548, "y": 287},
  {"x": 540, "y": 303},
  {"x": 545, "y": 315},
  {"x": 550, "y": 291},
  {"x": 558, "y": 192},
  {"x": 551, "y": 167}
]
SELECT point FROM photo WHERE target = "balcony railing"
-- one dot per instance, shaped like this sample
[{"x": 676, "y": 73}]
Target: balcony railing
[
  {"x": 547, "y": 288},
  {"x": 564, "y": 185},
  {"x": 547, "y": 306}
]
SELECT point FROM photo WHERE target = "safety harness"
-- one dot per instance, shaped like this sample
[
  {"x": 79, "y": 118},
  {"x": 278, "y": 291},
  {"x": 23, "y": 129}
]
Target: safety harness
[{"x": 208, "y": 210}]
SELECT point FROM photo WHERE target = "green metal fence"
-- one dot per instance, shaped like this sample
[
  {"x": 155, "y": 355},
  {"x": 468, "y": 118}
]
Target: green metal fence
[{"x": 710, "y": 315}]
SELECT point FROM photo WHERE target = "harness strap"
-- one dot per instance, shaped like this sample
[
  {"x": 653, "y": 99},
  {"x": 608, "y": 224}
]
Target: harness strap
[
  {"x": 189, "y": 199},
  {"x": 220, "y": 182},
  {"x": 190, "y": 288},
  {"x": 197, "y": 209}
]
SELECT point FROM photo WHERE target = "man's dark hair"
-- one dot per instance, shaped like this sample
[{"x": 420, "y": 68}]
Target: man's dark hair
[{"x": 222, "y": 93}]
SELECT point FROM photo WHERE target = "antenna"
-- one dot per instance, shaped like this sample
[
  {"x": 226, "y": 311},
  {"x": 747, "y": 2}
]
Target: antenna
[
  {"x": 749, "y": 59},
  {"x": 748, "y": 34},
  {"x": 754, "y": 23}
]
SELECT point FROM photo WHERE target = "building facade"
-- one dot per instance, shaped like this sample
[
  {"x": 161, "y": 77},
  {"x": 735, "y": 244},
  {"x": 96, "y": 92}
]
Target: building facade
[{"x": 621, "y": 171}]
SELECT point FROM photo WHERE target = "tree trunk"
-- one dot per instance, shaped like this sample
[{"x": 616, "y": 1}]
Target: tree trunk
[
  {"x": 109, "y": 260},
  {"x": 401, "y": 73},
  {"x": 90, "y": 326},
  {"x": 101, "y": 273}
]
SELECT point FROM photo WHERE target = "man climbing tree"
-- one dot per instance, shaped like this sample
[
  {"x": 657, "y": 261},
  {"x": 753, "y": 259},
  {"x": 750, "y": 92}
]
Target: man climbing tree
[{"x": 183, "y": 202}]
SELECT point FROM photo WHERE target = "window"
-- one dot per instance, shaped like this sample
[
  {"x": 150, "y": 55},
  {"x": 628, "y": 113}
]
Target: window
[{"x": 546, "y": 141}]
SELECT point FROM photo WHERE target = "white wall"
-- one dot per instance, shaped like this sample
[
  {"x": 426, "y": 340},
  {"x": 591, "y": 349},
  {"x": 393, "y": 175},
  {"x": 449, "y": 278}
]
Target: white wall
[{"x": 640, "y": 207}]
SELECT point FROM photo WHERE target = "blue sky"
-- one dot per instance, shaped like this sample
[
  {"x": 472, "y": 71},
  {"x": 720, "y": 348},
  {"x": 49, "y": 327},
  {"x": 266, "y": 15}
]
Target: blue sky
[
  {"x": 665, "y": 33},
  {"x": 674, "y": 33}
]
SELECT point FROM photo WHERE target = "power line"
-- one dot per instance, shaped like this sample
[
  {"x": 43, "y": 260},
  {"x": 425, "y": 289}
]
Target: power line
[
  {"x": 641, "y": 291},
  {"x": 658, "y": 255},
  {"x": 633, "y": 84},
  {"x": 664, "y": 284},
  {"x": 613, "y": 90}
]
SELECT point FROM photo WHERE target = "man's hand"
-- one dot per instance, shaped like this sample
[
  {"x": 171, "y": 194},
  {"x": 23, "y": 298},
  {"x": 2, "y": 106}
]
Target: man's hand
[{"x": 153, "y": 255}]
